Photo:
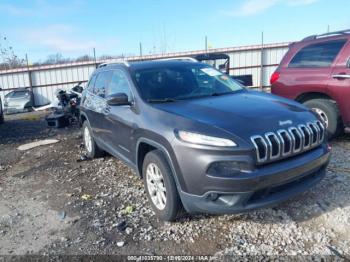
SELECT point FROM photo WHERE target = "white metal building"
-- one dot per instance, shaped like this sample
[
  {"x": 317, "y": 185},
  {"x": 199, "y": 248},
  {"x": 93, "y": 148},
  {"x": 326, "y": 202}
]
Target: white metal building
[{"x": 256, "y": 60}]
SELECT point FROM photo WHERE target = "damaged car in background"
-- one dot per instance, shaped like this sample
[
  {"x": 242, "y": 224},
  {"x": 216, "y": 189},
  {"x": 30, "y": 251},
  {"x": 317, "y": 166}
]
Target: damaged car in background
[
  {"x": 199, "y": 140},
  {"x": 18, "y": 101},
  {"x": 65, "y": 108}
]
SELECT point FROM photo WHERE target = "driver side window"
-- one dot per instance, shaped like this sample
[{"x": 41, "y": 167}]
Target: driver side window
[
  {"x": 102, "y": 82},
  {"x": 118, "y": 84}
]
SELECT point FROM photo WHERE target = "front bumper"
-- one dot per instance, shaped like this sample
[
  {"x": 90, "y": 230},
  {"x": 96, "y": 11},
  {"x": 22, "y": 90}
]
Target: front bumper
[{"x": 265, "y": 186}]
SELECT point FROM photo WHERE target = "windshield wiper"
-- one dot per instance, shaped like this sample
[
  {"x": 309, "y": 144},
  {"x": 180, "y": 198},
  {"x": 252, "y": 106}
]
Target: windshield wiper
[
  {"x": 220, "y": 94},
  {"x": 206, "y": 95},
  {"x": 163, "y": 100}
]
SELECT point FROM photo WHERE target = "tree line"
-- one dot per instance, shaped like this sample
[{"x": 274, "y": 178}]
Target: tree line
[{"x": 10, "y": 60}]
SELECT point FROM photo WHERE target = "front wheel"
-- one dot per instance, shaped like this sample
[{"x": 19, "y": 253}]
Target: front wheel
[
  {"x": 329, "y": 113},
  {"x": 160, "y": 186}
]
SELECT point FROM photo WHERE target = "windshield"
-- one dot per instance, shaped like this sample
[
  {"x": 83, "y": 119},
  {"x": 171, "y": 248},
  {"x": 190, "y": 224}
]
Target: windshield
[
  {"x": 20, "y": 94},
  {"x": 182, "y": 81}
]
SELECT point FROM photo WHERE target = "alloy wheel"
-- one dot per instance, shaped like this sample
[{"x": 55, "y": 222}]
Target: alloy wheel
[
  {"x": 156, "y": 186},
  {"x": 323, "y": 115}
]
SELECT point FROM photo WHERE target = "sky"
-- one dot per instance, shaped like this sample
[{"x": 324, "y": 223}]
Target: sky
[{"x": 74, "y": 27}]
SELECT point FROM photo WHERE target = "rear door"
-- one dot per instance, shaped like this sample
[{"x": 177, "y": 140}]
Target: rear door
[
  {"x": 88, "y": 97},
  {"x": 97, "y": 104},
  {"x": 339, "y": 85},
  {"x": 310, "y": 69}
]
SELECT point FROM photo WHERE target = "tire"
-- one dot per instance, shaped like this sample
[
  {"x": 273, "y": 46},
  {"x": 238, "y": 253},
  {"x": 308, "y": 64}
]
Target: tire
[
  {"x": 328, "y": 110},
  {"x": 92, "y": 149},
  {"x": 172, "y": 206}
]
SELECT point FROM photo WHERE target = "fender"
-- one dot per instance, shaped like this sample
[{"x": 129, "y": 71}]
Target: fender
[
  {"x": 166, "y": 154},
  {"x": 85, "y": 115}
]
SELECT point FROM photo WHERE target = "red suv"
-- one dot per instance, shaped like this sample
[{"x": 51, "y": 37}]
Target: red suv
[{"x": 316, "y": 72}]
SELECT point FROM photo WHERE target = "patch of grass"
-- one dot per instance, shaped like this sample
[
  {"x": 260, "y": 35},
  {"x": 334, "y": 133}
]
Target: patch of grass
[{"x": 30, "y": 118}]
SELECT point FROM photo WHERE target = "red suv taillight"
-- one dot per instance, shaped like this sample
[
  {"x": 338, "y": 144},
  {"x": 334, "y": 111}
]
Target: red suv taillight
[{"x": 274, "y": 77}]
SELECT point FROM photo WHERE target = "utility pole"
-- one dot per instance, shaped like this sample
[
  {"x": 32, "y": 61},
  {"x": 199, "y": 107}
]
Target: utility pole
[
  {"x": 141, "y": 50},
  {"x": 206, "y": 44},
  {"x": 30, "y": 81},
  {"x": 95, "y": 57},
  {"x": 328, "y": 29},
  {"x": 262, "y": 63}
]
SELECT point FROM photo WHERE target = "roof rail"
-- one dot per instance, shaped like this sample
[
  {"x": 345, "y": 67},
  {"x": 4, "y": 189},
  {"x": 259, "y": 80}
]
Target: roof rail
[
  {"x": 183, "y": 58},
  {"x": 117, "y": 61},
  {"x": 341, "y": 32}
]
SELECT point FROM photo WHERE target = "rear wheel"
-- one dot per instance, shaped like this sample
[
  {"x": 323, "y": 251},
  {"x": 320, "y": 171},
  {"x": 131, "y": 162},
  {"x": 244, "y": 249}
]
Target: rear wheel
[
  {"x": 160, "y": 186},
  {"x": 92, "y": 149},
  {"x": 329, "y": 113}
]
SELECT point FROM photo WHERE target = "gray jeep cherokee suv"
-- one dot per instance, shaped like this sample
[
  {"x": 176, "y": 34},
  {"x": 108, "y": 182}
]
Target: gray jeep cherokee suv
[{"x": 199, "y": 139}]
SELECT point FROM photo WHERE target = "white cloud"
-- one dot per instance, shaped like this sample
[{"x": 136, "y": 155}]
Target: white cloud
[
  {"x": 14, "y": 10},
  {"x": 301, "y": 2},
  {"x": 41, "y": 8},
  {"x": 253, "y": 7}
]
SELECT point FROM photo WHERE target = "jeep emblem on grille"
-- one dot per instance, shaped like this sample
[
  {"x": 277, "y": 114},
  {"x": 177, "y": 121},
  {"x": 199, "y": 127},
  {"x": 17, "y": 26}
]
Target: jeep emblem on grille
[{"x": 286, "y": 122}]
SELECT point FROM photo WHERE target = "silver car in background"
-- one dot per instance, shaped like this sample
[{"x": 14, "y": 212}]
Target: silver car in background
[{"x": 17, "y": 101}]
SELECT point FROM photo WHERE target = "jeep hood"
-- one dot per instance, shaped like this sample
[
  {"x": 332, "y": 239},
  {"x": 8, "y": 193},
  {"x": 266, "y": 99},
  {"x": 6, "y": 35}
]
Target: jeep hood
[{"x": 243, "y": 113}]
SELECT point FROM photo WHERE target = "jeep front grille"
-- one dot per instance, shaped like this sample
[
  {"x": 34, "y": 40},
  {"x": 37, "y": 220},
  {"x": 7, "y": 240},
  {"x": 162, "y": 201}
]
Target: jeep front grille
[{"x": 288, "y": 142}]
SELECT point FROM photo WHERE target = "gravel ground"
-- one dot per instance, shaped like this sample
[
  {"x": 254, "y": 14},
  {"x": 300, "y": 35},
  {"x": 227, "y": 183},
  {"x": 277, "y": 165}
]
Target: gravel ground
[{"x": 52, "y": 204}]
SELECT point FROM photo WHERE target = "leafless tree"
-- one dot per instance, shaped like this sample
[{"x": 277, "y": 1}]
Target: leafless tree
[
  {"x": 8, "y": 58},
  {"x": 84, "y": 58},
  {"x": 56, "y": 59}
]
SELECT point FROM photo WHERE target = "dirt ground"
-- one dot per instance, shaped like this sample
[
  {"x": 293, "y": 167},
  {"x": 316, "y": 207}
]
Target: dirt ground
[{"x": 53, "y": 204}]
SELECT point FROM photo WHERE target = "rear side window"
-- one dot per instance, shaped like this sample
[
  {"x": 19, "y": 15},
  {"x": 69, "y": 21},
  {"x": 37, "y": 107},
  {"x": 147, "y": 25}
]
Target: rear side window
[{"x": 317, "y": 55}]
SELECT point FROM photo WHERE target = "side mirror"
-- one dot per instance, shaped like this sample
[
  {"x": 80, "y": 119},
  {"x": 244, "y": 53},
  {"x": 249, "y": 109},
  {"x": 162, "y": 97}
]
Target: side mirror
[
  {"x": 78, "y": 89},
  {"x": 119, "y": 99}
]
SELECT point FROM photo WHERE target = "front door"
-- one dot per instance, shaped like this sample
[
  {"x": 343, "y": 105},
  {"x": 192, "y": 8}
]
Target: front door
[{"x": 119, "y": 122}]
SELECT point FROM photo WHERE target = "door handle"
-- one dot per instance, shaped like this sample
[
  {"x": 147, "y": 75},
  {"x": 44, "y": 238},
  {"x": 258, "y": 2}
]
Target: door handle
[{"x": 341, "y": 76}]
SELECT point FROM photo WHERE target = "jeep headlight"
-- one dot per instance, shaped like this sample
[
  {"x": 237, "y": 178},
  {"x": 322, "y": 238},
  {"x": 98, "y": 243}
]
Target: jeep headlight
[{"x": 199, "y": 139}]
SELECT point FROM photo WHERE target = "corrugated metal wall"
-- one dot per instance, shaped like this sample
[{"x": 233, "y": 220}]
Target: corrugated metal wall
[{"x": 45, "y": 80}]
